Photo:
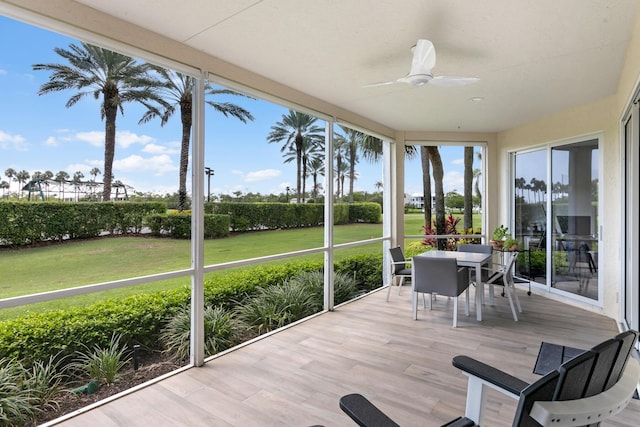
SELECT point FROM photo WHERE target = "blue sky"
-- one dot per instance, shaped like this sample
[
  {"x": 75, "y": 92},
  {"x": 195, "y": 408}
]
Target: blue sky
[{"x": 38, "y": 133}]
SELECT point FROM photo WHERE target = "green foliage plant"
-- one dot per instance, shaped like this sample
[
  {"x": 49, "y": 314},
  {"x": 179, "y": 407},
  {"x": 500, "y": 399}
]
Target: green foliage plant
[
  {"x": 141, "y": 317},
  {"x": 276, "y": 306},
  {"x": 221, "y": 331},
  {"x": 28, "y": 223},
  {"x": 500, "y": 233},
  {"x": 103, "y": 363},
  {"x": 17, "y": 404},
  {"x": 45, "y": 379}
]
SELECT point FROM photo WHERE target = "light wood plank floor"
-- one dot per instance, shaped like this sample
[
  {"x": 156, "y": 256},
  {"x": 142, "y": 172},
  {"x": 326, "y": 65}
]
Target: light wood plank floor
[{"x": 370, "y": 346}]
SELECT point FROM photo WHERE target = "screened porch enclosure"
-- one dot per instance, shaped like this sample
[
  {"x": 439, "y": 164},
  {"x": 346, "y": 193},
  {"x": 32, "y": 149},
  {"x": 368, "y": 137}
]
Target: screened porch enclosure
[{"x": 369, "y": 346}]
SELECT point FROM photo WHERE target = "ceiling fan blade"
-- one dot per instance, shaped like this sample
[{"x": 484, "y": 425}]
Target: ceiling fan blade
[
  {"x": 424, "y": 58},
  {"x": 448, "y": 81},
  {"x": 380, "y": 84}
]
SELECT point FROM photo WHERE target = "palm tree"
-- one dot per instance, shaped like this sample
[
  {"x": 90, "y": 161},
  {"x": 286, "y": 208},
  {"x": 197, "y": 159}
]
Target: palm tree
[
  {"x": 316, "y": 168},
  {"x": 177, "y": 91},
  {"x": 426, "y": 185},
  {"x": 340, "y": 146},
  {"x": 11, "y": 174},
  {"x": 46, "y": 177},
  {"x": 94, "y": 172},
  {"x": 4, "y": 185},
  {"x": 61, "y": 178},
  {"x": 96, "y": 71},
  {"x": 22, "y": 177},
  {"x": 310, "y": 150},
  {"x": 356, "y": 141},
  {"x": 438, "y": 178},
  {"x": 468, "y": 189},
  {"x": 293, "y": 129},
  {"x": 77, "y": 181}
]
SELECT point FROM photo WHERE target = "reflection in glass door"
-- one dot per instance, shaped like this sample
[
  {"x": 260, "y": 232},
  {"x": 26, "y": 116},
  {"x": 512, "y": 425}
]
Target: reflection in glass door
[
  {"x": 530, "y": 223},
  {"x": 574, "y": 218}
]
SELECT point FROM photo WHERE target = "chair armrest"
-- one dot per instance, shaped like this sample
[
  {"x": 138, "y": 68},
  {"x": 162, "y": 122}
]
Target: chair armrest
[
  {"x": 500, "y": 380},
  {"x": 481, "y": 378},
  {"x": 364, "y": 413}
]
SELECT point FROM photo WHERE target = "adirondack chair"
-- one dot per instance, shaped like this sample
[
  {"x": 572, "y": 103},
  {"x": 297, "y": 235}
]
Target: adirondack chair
[{"x": 583, "y": 391}]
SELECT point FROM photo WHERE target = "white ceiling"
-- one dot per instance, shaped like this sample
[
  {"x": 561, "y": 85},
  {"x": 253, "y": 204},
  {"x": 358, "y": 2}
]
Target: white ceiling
[{"x": 533, "y": 58}]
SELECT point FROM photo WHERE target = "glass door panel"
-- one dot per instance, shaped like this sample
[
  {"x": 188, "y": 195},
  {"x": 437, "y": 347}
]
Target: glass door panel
[
  {"x": 574, "y": 218},
  {"x": 530, "y": 223}
]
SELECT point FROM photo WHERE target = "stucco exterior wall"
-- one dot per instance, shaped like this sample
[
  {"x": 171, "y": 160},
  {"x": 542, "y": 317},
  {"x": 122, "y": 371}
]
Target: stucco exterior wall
[{"x": 599, "y": 117}]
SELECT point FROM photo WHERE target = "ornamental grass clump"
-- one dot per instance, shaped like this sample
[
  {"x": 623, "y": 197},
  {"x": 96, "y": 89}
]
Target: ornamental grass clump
[
  {"x": 17, "y": 404},
  {"x": 221, "y": 331},
  {"x": 275, "y": 306},
  {"x": 103, "y": 364}
]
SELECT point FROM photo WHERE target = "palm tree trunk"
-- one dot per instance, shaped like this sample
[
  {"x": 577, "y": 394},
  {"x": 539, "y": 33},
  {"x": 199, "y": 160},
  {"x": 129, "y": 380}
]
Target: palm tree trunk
[
  {"x": 352, "y": 168},
  {"x": 438, "y": 178},
  {"x": 186, "y": 117},
  {"x": 299, "y": 147},
  {"x": 426, "y": 186},
  {"x": 468, "y": 188},
  {"x": 110, "y": 113}
]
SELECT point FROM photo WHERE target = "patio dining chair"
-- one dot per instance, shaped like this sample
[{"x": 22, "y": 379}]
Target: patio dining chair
[
  {"x": 399, "y": 269},
  {"x": 503, "y": 276},
  {"x": 440, "y": 276},
  {"x": 487, "y": 270}
]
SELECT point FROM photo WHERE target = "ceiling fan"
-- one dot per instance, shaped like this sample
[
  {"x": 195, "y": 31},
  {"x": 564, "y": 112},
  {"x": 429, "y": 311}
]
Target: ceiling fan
[{"x": 424, "y": 59}]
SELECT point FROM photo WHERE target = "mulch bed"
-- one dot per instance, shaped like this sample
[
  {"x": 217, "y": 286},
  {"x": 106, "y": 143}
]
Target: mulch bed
[{"x": 152, "y": 366}]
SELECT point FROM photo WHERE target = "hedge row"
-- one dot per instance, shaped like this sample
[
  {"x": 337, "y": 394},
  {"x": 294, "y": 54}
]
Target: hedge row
[
  {"x": 272, "y": 216},
  {"x": 178, "y": 225},
  {"x": 139, "y": 318},
  {"x": 27, "y": 223}
]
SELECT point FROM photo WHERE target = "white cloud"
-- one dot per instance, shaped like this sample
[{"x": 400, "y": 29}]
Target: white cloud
[
  {"x": 126, "y": 138},
  {"x": 262, "y": 175},
  {"x": 3, "y": 72},
  {"x": 158, "y": 164},
  {"x": 95, "y": 138},
  {"x": 159, "y": 149},
  {"x": 123, "y": 138},
  {"x": 12, "y": 142},
  {"x": 457, "y": 162},
  {"x": 51, "y": 141}
]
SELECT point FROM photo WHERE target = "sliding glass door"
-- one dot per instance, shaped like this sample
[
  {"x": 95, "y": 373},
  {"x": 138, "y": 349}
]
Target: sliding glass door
[
  {"x": 574, "y": 216},
  {"x": 556, "y": 216}
]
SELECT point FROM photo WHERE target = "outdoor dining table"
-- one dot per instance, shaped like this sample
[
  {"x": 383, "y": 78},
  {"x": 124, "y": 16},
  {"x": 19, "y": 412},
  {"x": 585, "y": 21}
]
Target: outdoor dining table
[{"x": 467, "y": 259}]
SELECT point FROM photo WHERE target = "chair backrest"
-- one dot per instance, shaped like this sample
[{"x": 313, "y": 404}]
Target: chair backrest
[
  {"x": 439, "y": 275},
  {"x": 471, "y": 247},
  {"x": 587, "y": 375},
  {"x": 510, "y": 261},
  {"x": 397, "y": 257}
]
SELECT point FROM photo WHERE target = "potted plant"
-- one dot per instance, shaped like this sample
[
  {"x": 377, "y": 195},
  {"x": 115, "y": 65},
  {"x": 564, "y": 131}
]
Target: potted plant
[
  {"x": 510, "y": 243},
  {"x": 499, "y": 235}
]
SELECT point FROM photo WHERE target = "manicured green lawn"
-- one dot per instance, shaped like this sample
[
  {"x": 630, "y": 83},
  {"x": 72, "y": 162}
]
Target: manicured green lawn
[{"x": 33, "y": 270}]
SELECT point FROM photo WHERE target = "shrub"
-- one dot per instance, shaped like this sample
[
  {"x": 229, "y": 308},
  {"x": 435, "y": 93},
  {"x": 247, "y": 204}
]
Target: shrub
[
  {"x": 140, "y": 318},
  {"x": 33, "y": 222},
  {"x": 221, "y": 331},
  {"x": 178, "y": 225},
  {"x": 365, "y": 268}
]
